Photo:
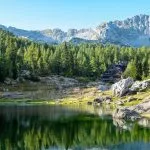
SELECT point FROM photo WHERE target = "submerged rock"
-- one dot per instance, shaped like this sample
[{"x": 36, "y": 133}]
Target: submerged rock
[
  {"x": 122, "y": 124},
  {"x": 144, "y": 122},
  {"x": 126, "y": 125}
]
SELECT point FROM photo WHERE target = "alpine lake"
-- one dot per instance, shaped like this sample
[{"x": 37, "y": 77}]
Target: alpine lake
[{"x": 60, "y": 127}]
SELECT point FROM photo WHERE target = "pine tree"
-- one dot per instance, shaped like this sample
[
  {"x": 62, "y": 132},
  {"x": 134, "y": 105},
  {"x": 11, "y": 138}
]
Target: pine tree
[{"x": 131, "y": 70}]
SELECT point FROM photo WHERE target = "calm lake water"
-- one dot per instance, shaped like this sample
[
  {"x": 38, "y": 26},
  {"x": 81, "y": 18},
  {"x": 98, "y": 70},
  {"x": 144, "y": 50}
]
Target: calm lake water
[{"x": 58, "y": 128}]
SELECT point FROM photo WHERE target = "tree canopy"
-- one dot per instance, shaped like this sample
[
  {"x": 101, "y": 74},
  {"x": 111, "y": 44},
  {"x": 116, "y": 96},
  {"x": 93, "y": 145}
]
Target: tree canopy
[{"x": 86, "y": 60}]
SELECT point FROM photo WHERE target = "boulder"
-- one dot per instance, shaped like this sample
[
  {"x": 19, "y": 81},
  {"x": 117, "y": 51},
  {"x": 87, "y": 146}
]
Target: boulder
[
  {"x": 25, "y": 74},
  {"x": 108, "y": 101},
  {"x": 108, "y": 98},
  {"x": 120, "y": 102},
  {"x": 143, "y": 107},
  {"x": 122, "y": 87},
  {"x": 98, "y": 101},
  {"x": 130, "y": 99},
  {"x": 9, "y": 81},
  {"x": 133, "y": 112},
  {"x": 20, "y": 79},
  {"x": 89, "y": 103},
  {"x": 140, "y": 86},
  {"x": 103, "y": 87},
  {"x": 126, "y": 113}
]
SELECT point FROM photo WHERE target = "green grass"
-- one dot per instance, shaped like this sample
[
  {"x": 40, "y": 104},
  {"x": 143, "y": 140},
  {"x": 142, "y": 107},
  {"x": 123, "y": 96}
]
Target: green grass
[
  {"x": 80, "y": 97},
  {"x": 135, "y": 102},
  {"x": 146, "y": 115},
  {"x": 25, "y": 102},
  {"x": 139, "y": 98}
]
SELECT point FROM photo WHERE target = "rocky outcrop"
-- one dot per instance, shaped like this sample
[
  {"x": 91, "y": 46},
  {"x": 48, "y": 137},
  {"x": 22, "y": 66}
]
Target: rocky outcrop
[
  {"x": 133, "y": 31},
  {"x": 113, "y": 73},
  {"x": 133, "y": 112},
  {"x": 9, "y": 81},
  {"x": 142, "y": 107},
  {"x": 27, "y": 75},
  {"x": 59, "y": 82},
  {"x": 127, "y": 114},
  {"x": 140, "y": 86},
  {"x": 13, "y": 95},
  {"x": 122, "y": 87},
  {"x": 128, "y": 86}
]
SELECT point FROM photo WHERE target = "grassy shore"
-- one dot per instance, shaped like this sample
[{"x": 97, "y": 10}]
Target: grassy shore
[
  {"x": 89, "y": 94},
  {"x": 79, "y": 96},
  {"x": 23, "y": 102}
]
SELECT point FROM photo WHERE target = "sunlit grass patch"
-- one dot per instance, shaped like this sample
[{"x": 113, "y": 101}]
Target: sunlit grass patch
[
  {"x": 147, "y": 115},
  {"x": 135, "y": 102}
]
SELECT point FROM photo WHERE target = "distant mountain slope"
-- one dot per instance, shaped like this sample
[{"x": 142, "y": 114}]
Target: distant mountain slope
[{"x": 133, "y": 31}]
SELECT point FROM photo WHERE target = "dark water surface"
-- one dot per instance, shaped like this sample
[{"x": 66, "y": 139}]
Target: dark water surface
[{"x": 54, "y": 127}]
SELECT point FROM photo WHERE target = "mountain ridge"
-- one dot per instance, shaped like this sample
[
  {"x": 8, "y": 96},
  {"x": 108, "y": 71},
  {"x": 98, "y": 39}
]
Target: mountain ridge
[{"x": 134, "y": 31}]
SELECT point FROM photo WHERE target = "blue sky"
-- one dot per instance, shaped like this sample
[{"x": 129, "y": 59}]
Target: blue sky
[{"x": 65, "y": 14}]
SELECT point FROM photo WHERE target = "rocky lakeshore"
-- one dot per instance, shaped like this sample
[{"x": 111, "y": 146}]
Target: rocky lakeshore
[
  {"x": 22, "y": 87},
  {"x": 128, "y": 99},
  {"x": 129, "y": 87}
]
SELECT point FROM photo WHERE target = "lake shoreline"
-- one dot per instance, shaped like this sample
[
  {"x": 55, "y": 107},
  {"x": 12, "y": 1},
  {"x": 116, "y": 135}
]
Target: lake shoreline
[{"x": 89, "y": 94}]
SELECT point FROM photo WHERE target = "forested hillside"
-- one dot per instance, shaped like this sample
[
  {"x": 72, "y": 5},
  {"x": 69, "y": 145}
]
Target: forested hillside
[{"x": 87, "y": 60}]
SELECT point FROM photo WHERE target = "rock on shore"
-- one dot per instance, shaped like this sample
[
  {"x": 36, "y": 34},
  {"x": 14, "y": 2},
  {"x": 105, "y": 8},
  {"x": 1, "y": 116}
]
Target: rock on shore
[
  {"x": 122, "y": 87},
  {"x": 126, "y": 113},
  {"x": 128, "y": 86},
  {"x": 133, "y": 112}
]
